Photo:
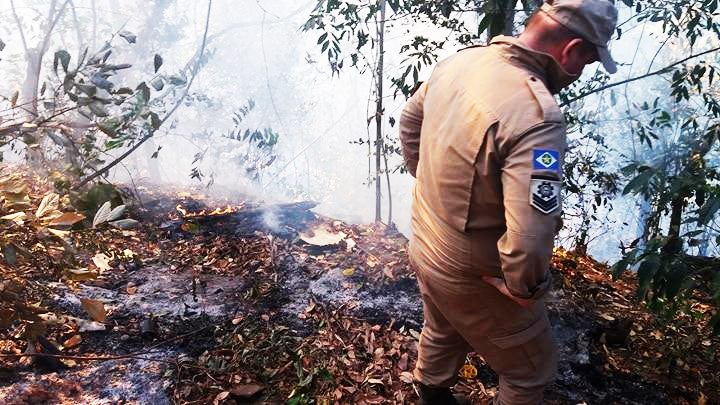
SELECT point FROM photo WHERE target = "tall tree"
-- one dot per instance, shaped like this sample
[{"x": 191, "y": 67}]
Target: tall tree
[{"x": 379, "y": 112}]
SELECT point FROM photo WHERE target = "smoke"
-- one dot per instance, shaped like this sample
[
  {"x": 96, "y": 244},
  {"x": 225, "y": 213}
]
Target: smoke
[
  {"x": 260, "y": 54},
  {"x": 271, "y": 220},
  {"x": 256, "y": 51}
]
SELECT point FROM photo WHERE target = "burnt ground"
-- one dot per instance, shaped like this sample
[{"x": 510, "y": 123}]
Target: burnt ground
[{"x": 241, "y": 308}]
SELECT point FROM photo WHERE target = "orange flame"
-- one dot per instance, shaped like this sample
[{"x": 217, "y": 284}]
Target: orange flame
[{"x": 205, "y": 213}]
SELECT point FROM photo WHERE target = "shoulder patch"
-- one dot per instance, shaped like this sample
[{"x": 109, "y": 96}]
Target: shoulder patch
[
  {"x": 546, "y": 159},
  {"x": 550, "y": 109},
  {"x": 544, "y": 194}
]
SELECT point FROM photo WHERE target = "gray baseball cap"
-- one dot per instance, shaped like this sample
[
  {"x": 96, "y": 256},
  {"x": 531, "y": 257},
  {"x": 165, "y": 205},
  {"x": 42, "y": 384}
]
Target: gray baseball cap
[{"x": 594, "y": 20}]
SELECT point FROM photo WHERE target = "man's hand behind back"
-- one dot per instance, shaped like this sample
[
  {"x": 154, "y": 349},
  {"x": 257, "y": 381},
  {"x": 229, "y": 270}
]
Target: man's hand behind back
[{"x": 499, "y": 284}]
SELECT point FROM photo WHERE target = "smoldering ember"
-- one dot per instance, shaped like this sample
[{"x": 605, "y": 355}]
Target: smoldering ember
[{"x": 359, "y": 202}]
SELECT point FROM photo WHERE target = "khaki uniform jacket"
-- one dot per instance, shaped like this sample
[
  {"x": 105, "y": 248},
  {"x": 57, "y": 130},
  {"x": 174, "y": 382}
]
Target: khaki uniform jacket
[{"x": 485, "y": 139}]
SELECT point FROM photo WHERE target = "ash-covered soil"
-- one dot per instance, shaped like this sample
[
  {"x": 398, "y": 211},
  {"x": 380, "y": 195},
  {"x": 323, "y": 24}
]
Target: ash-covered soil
[{"x": 219, "y": 304}]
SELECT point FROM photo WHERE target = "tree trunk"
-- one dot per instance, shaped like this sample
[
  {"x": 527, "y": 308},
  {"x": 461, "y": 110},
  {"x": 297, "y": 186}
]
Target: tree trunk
[
  {"x": 582, "y": 237},
  {"x": 502, "y": 17},
  {"x": 379, "y": 112},
  {"x": 34, "y": 56},
  {"x": 509, "y": 17},
  {"x": 674, "y": 244},
  {"x": 29, "y": 90},
  {"x": 387, "y": 179},
  {"x": 704, "y": 243},
  {"x": 643, "y": 224},
  {"x": 28, "y": 97}
]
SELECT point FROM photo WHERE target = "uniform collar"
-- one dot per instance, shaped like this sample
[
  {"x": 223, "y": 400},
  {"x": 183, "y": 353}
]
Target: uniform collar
[
  {"x": 539, "y": 63},
  {"x": 519, "y": 53}
]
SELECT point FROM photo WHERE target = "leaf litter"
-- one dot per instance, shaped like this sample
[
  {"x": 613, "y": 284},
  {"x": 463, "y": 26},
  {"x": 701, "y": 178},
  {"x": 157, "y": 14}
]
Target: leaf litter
[{"x": 250, "y": 309}]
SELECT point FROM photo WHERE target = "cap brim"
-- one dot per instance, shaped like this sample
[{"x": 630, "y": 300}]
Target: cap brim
[{"x": 606, "y": 59}]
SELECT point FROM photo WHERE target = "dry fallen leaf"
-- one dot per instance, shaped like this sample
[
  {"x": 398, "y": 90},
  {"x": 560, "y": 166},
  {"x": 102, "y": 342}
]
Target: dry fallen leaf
[
  {"x": 13, "y": 183},
  {"x": 60, "y": 234},
  {"x": 80, "y": 274},
  {"x": 403, "y": 362},
  {"x": 18, "y": 217},
  {"x": 102, "y": 261},
  {"x": 322, "y": 400},
  {"x": 102, "y": 214},
  {"x": 48, "y": 206},
  {"x": 95, "y": 308},
  {"x": 322, "y": 237},
  {"x": 72, "y": 341},
  {"x": 406, "y": 377},
  {"x": 131, "y": 288},
  {"x": 67, "y": 219},
  {"x": 126, "y": 223},
  {"x": 221, "y": 397},
  {"x": 246, "y": 391},
  {"x": 607, "y": 317}
]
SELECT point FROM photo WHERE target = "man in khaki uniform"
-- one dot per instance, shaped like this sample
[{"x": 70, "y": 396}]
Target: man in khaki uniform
[{"x": 485, "y": 139}]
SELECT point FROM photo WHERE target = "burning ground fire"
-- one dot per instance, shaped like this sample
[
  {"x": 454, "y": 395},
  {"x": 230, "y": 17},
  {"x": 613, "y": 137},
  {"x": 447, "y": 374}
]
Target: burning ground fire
[{"x": 184, "y": 213}]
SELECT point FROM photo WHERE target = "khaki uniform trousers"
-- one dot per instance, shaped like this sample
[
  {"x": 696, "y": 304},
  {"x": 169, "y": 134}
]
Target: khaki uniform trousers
[{"x": 516, "y": 342}]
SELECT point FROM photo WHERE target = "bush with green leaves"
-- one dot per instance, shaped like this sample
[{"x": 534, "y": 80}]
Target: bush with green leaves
[{"x": 88, "y": 110}]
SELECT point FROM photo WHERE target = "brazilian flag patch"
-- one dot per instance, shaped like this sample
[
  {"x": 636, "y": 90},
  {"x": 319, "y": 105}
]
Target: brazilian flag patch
[{"x": 546, "y": 159}]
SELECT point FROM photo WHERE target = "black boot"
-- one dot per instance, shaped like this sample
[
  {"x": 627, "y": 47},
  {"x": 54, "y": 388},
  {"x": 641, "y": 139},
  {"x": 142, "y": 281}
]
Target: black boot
[{"x": 439, "y": 396}]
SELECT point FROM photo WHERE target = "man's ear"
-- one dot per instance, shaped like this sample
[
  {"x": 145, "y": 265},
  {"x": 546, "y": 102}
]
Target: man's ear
[{"x": 572, "y": 49}]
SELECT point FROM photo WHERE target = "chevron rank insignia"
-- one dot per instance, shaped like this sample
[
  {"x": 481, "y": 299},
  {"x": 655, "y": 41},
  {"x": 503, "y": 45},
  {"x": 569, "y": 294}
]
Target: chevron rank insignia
[
  {"x": 546, "y": 159},
  {"x": 544, "y": 194}
]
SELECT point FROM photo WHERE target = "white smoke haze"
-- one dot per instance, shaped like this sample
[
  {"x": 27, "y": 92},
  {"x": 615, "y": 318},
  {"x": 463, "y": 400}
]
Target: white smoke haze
[
  {"x": 257, "y": 51},
  {"x": 265, "y": 57}
]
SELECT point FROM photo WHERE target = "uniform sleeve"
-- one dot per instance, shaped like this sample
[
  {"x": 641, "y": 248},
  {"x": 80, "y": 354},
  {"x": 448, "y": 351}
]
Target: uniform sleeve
[
  {"x": 410, "y": 126},
  {"x": 531, "y": 181}
]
